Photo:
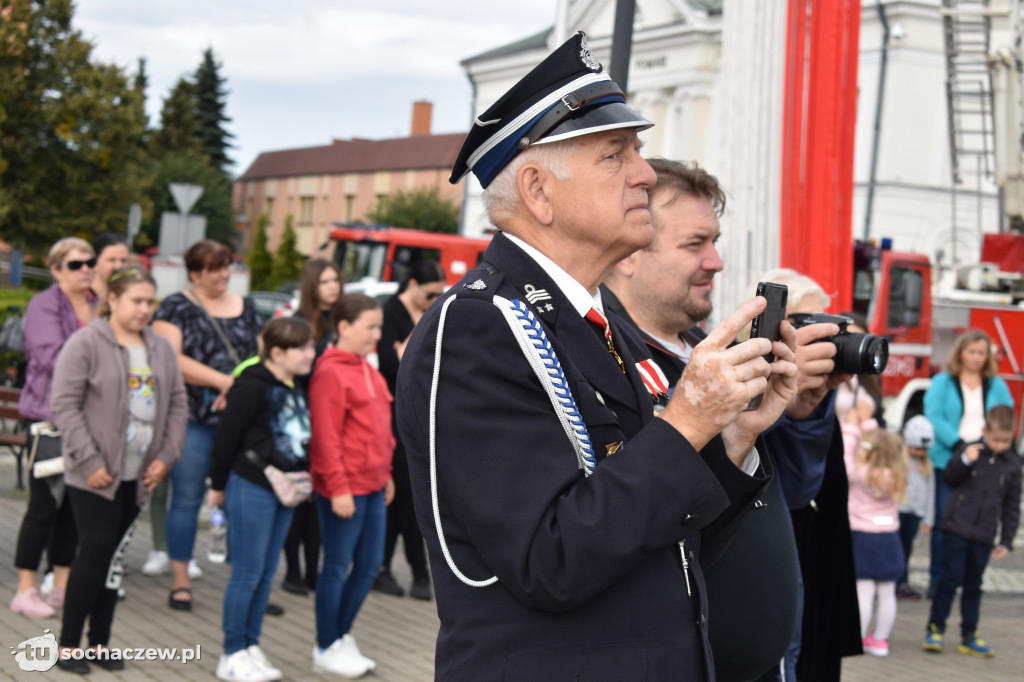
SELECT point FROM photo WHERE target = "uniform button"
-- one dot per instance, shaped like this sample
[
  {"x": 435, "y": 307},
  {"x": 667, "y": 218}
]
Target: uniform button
[
  {"x": 689, "y": 517},
  {"x": 491, "y": 270}
]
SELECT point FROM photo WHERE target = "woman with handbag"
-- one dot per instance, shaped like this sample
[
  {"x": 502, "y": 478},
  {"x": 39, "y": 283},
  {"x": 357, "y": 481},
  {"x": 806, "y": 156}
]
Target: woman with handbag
[
  {"x": 263, "y": 430},
  {"x": 350, "y": 459},
  {"x": 212, "y": 330},
  {"x": 51, "y": 317},
  {"x": 120, "y": 403}
]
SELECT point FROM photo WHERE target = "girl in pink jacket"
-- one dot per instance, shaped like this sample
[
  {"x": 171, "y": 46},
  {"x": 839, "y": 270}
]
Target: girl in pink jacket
[
  {"x": 877, "y": 472},
  {"x": 350, "y": 460}
]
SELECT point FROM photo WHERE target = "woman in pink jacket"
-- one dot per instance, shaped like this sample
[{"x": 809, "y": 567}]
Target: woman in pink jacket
[{"x": 350, "y": 460}]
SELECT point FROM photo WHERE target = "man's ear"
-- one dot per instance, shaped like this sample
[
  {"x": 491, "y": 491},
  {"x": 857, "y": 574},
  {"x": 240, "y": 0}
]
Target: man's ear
[
  {"x": 627, "y": 266},
  {"x": 533, "y": 186}
]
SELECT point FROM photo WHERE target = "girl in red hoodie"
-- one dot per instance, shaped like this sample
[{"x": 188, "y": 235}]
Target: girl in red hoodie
[{"x": 350, "y": 460}]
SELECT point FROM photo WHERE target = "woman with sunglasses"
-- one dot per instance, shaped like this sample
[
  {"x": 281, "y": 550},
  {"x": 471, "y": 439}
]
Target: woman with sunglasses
[
  {"x": 51, "y": 317},
  {"x": 423, "y": 283}
]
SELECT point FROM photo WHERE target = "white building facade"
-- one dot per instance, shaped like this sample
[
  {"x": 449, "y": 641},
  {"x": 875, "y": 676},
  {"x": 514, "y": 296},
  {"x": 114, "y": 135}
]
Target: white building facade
[{"x": 711, "y": 78}]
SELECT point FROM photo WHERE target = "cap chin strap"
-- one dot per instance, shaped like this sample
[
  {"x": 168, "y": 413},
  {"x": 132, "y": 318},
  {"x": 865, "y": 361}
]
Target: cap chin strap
[
  {"x": 568, "y": 104},
  {"x": 544, "y": 362}
]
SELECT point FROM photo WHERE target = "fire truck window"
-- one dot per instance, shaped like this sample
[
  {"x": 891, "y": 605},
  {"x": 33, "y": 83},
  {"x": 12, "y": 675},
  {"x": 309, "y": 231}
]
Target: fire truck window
[
  {"x": 405, "y": 256},
  {"x": 905, "y": 298},
  {"x": 360, "y": 259}
]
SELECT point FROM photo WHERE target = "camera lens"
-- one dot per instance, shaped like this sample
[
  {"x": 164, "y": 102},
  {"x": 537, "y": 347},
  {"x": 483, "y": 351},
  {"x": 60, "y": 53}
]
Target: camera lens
[{"x": 861, "y": 353}]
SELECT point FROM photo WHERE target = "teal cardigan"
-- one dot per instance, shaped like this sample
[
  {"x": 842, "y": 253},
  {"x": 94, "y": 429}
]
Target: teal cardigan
[{"x": 944, "y": 407}]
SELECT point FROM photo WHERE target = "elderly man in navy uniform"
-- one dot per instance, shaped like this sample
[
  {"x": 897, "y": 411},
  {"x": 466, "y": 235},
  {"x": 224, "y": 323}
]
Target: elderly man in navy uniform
[{"x": 563, "y": 516}]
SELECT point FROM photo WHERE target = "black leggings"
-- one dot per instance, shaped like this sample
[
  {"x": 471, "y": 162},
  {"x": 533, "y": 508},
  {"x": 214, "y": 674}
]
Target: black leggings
[
  {"x": 103, "y": 524},
  {"x": 45, "y": 519},
  {"x": 305, "y": 530},
  {"x": 402, "y": 520}
]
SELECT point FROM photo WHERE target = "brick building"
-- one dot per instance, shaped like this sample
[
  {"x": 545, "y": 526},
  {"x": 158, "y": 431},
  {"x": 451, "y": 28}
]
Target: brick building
[{"x": 343, "y": 181}]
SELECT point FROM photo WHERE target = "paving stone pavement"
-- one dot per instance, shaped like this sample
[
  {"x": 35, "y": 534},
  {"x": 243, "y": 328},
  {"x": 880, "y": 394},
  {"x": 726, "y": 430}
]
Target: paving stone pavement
[{"x": 399, "y": 633}]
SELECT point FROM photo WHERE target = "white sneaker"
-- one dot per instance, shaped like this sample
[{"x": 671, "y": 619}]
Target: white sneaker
[
  {"x": 157, "y": 563},
  {"x": 194, "y": 572},
  {"x": 240, "y": 667},
  {"x": 260, "y": 662},
  {"x": 47, "y": 585},
  {"x": 348, "y": 643},
  {"x": 336, "y": 659}
]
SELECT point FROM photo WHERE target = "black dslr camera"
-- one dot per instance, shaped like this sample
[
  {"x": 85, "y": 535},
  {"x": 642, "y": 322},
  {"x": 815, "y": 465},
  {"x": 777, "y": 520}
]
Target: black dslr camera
[{"x": 855, "y": 353}]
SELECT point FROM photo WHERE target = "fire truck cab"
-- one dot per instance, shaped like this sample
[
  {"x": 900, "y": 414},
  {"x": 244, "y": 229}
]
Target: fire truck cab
[
  {"x": 923, "y": 318},
  {"x": 381, "y": 253}
]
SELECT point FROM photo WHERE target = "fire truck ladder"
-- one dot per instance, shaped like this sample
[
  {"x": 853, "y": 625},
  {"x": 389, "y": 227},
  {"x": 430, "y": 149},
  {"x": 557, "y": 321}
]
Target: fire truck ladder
[{"x": 969, "y": 100}]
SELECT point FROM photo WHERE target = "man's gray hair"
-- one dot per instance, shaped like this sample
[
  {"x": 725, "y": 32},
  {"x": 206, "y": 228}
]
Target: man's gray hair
[{"x": 501, "y": 197}]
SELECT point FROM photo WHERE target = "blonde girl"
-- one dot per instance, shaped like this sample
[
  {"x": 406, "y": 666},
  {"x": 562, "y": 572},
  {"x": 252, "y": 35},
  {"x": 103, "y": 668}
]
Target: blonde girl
[{"x": 877, "y": 471}]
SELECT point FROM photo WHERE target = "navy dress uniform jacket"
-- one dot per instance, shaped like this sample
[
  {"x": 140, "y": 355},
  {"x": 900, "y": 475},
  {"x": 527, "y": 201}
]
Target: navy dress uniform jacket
[{"x": 590, "y": 583}]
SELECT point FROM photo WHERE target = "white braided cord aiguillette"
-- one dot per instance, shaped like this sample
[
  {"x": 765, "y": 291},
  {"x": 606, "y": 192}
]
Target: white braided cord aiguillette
[{"x": 544, "y": 361}]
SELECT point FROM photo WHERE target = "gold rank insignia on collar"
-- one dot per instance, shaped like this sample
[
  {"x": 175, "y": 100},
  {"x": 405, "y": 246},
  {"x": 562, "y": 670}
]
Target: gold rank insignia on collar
[{"x": 612, "y": 448}]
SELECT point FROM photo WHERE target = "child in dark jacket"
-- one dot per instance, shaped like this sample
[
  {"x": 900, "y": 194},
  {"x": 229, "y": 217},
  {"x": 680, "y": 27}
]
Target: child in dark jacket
[
  {"x": 265, "y": 423},
  {"x": 986, "y": 480}
]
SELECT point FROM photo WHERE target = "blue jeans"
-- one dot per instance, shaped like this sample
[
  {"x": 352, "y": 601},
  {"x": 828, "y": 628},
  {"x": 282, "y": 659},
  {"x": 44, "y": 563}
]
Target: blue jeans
[
  {"x": 257, "y": 526},
  {"x": 188, "y": 485},
  {"x": 942, "y": 493},
  {"x": 963, "y": 564},
  {"x": 358, "y": 541}
]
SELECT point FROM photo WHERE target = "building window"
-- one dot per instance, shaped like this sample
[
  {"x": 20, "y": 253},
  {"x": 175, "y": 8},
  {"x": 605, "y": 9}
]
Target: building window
[
  {"x": 350, "y": 203},
  {"x": 306, "y": 210},
  {"x": 270, "y": 209}
]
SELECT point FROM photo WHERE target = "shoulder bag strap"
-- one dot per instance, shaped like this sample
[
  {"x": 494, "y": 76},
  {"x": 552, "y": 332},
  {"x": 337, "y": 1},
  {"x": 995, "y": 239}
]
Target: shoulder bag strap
[{"x": 216, "y": 325}]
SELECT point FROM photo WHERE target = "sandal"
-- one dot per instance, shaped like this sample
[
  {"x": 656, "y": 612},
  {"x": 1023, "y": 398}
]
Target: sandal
[{"x": 180, "y": 604}]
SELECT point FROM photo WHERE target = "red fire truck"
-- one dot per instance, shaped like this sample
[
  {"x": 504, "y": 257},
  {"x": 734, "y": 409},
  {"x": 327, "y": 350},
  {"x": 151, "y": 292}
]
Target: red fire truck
[
  {"x": 922, "y": 318},
  {"x": 382, "y": 253}
]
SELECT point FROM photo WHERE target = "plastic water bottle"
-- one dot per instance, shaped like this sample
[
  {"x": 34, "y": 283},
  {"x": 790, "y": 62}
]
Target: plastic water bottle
[{"x": 218, "y": 552}]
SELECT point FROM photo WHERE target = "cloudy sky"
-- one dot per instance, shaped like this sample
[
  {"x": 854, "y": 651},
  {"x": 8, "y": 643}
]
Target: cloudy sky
[{"x": 302, "y": 72}]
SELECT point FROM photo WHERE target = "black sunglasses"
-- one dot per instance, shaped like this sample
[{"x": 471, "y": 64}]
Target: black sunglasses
[{"x": 77, "y": 264}]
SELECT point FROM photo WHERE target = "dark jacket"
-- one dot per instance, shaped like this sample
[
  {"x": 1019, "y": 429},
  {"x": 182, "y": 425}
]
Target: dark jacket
[
  {"x": 590, "y": 583},
  {"x": 742, "y": 601},
  {"x": 985, "y": 497},
  {"x": 267, "y": 416}
]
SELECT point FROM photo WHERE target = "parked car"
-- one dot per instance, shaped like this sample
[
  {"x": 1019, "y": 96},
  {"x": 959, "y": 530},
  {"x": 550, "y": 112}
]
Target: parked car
[{"x": 269, "y": 302}]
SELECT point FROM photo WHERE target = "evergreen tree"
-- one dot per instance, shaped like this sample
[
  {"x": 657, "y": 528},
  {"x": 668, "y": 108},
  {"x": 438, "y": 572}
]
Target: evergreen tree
[
  {"x": 71, "y": 136},
  {"x": 210, "y": 96},
  {"x": 287, "y": 260},
  {"x": 421, "y": 209},
  {"x": 179, "y": 125},
  {"x": 259, "y": 260},
  {"x": 215, "y": 203}
]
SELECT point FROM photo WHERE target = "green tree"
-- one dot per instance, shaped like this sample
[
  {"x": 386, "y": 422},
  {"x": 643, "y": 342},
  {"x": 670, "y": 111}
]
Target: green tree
[
  {"x": 421, "y": 209},
  {"x": 71, "y": 138},
  {"x": 287, "y": 260},
  {"x": 259, "y": 261},
  {"x": 215, "y": 203},
  {"x": 210, "y": 97},
  {"x": 179, "y": 125}
]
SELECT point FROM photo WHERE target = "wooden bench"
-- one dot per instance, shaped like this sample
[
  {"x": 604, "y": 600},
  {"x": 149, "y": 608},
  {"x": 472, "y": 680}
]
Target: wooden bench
[{"x": 13, "y": 436}]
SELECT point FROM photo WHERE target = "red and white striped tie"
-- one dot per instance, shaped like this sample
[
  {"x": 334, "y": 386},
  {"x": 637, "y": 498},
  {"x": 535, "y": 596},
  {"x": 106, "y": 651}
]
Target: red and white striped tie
[{"x": 595, "y": 317}]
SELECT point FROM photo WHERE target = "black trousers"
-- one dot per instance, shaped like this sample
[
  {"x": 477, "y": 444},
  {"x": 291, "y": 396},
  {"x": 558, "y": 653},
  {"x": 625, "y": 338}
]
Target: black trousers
[
  {"x": 305, "y": 530},
  {"x": 102, "y": 524},
  {"x": 402, "y": 520},
  {"x": 45, "y": 519}
]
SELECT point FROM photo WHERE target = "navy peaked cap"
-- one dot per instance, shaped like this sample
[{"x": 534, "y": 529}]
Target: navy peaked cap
[{"x": 566, "y": 95}]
